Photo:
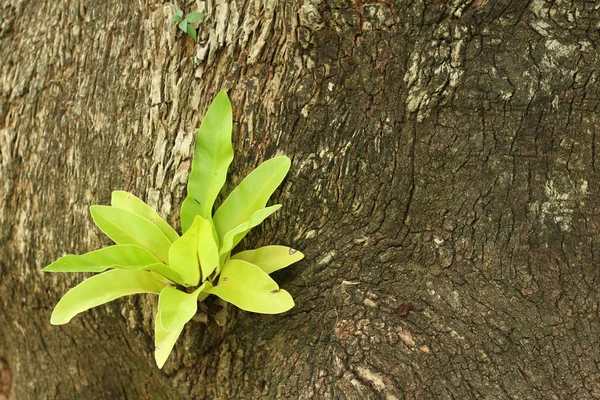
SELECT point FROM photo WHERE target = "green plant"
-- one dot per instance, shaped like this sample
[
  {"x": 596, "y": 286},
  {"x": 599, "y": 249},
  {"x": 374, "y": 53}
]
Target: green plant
[
  {"x": 151, "y": 257},
  {"x": 185, "y": 24}
]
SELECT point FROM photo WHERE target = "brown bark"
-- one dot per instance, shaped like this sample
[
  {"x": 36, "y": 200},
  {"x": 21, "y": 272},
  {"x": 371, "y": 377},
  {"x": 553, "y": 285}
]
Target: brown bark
[{"x": 444, "y": 156}]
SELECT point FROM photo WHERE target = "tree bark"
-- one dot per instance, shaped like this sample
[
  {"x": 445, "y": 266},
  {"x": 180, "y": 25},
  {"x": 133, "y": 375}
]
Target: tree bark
[{"x": 442, "y": 187}]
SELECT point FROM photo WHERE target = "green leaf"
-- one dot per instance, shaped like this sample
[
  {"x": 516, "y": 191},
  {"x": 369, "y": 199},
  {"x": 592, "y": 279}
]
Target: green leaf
[
  {"x": 188, "y": 211},
  {"x": 208, "y": 251},
  {"x": 164, "y": 341},
  {"x": 176, "y": 307},
  {"x": 194, "y": 17},
  {"x": 162, "y": 279},
  {"x": 129, "y": 202},
  {"x": 270, "y": 258},
  {"x": 101, "y": 289},
  {"x": 250, "y": 195},
  {"x": 249, "y": 288},
  {"x": 183, "y": 255},
  {"x": 234, "y": 236},
  {"x": 196, "y": 254},
  {"x": 183, "y": 25},
  {"x": 164, "y": 271},
  {"x": 124, "y": 227},
  {"x": 122, "y": 256},
  {"x": 191, "y": 31},
  {"x": 212, "y": 156},
  {"x": 178, "y": 16}
]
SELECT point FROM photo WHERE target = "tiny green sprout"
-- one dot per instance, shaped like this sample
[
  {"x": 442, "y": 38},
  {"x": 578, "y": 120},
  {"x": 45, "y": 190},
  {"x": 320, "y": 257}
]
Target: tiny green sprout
[
  {"x": 151, "y": 257},
  {"x": 185, "y": 24}
]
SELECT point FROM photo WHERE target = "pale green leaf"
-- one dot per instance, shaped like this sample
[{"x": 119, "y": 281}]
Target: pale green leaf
[
  {"x": 124, "y": 227},
  {"x": 101, "y": 289},
  {"x": 212, "y": 156},
  {"x": 183, "y": 25},
  {"x": 129, "y": 202},
  {"x": 270, "y": 258},
  {"x": 183, "y": 255},
  {"x": 208, "y": 251},
  {"x": 164, "y": 341},
  {"x": 165, "y": 273},
  {"x": 192, "y": 32},
  {"x": 250, "y": 288},
  {"x": 234, "y": 236},
  {"x": 203, "y": 294},
  {"x": 194, "y": 17},
  {"x": 188, "y": 211},
  {"x": 178, "y": 16},
  {"x": 250, "y": 195},
  {"x": 176, "y": 307},
  {"x": 122, "y": 256}
]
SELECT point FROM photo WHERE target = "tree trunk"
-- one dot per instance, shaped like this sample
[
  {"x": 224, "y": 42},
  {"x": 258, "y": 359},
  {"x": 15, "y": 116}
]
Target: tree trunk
[{"x": 442, "y": 187}]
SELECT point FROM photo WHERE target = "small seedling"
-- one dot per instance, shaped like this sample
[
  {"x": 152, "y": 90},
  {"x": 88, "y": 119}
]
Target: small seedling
[
  {"x": 185, "y": 24},
  {"x": 151, "y": 257}
]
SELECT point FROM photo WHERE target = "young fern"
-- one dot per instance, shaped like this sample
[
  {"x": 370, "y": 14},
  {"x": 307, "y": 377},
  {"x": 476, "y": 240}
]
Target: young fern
[{"x": 151, "y": 257}]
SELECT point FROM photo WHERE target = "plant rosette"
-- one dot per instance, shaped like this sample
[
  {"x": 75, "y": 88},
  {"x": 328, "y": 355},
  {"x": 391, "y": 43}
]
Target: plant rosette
[
  {"x": 185, "y": 23},
  {"x": 151, "y": 257}
]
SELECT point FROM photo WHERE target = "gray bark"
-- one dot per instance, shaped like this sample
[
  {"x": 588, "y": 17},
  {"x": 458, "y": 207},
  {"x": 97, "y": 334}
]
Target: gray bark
[{"x": 443, "y": 188}]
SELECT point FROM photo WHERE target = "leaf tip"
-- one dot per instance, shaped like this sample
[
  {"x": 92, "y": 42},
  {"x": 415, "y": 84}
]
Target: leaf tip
[
  {"x": 160, "y": 360},
  {"x": 297, "y": 253},
  {"x": 222, "y": 95},
  {"x": 285, "y": 160},
  {"x": 58, "y": 319}
]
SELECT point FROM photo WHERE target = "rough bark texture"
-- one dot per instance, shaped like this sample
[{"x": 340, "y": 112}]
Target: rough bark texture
[{"x": 443, "y": 187}]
